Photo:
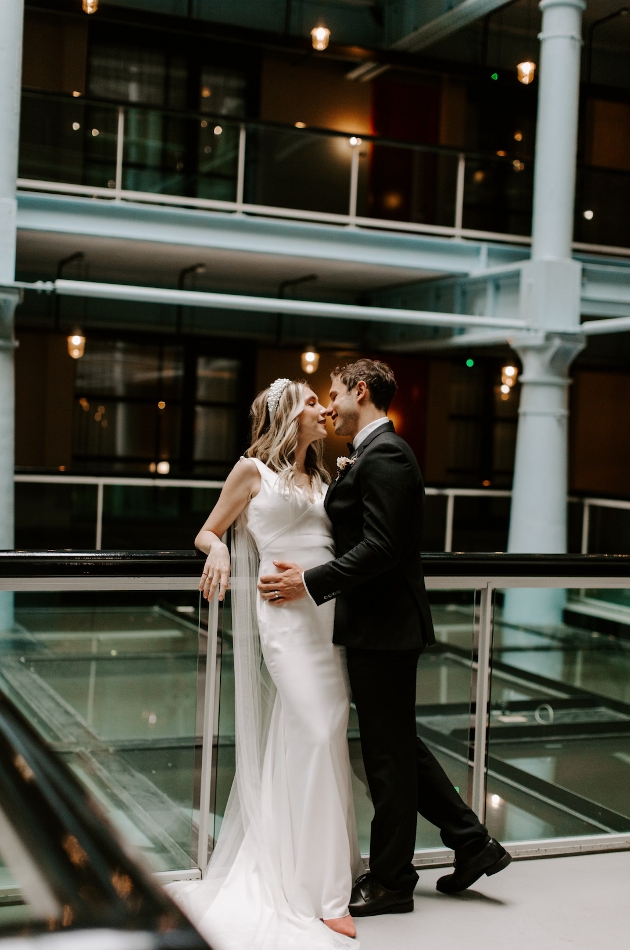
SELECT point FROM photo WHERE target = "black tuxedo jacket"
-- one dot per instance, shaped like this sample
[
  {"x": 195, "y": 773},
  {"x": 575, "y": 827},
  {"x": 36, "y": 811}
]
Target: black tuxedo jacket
[{"x": 376, "y": 507}]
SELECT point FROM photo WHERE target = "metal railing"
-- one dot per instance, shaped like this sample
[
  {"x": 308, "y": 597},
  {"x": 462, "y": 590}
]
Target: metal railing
[
  {"x": 482, "y": 576},
  {"x": 100, "y": 482},
  {"x": 455, "y": 187}
]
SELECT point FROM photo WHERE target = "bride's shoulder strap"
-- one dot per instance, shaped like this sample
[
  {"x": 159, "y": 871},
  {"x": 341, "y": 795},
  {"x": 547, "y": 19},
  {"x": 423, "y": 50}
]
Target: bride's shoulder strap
[{"x": 263, "y": 469}]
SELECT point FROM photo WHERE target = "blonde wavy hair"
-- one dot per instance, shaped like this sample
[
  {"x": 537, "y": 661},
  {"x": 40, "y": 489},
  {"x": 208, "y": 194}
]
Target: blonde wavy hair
[{"x": 274, "y": 441}]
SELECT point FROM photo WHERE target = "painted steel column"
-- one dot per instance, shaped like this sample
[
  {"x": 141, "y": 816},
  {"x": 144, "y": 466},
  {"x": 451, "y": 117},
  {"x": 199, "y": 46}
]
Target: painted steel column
[
  {"x": 550, "y": 306},
  {"x": 11, "y": 19}
]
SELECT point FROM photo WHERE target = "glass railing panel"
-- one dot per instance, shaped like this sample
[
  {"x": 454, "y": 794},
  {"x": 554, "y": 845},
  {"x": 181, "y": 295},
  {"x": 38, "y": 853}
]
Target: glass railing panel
[
  {"x": 406, "y": 184},
  {"x": 292, "y": 168},
  {"x": 598, "y": 219},
  {"x": 480, "y": 524},
  {"x": 55, "y": 516},
  {"x": 559, "y": 737},
  {"x": 179, "y": 155},
  {"x": 434, "y": 525},
  {"x": 109, "y": 679},
  {"x": 498, "y": 195},
  {"x": 609, "y": 530},
  {"x": 154, "y": 518},
  {"x": 52, "y": 140}
]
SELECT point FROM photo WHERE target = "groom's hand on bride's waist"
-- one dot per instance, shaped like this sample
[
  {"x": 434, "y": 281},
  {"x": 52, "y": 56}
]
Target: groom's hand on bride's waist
[{"x": 287, "y": 585}]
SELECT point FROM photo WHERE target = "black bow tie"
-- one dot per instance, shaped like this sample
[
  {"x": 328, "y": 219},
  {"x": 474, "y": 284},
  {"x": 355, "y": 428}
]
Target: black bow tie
[{"x": 350, "y": 447}]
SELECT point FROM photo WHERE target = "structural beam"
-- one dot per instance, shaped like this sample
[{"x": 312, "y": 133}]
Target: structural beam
[
  {"x": 11, "y": 17},
  {"x": 464, "y": 13},
  {"x": 308, "y": 308}
]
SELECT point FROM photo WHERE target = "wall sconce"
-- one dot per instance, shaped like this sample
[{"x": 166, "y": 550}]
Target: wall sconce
[
  {"x": 525, "y": 72},
  {"x": 509, "y": 375},
  {"x": 320, "y": 36},
  {"x": 90, "y": 6},
  {"x": 310, "y": 361},
  {"x": 76, "y": 346}
]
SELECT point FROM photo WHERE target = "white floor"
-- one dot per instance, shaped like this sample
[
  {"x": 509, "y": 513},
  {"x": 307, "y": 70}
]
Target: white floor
[{"x": 576, "y": 903}]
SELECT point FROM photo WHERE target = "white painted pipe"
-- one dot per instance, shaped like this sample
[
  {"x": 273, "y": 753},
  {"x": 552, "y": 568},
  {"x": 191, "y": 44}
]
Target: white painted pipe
[{"x": 309, "y": 308}]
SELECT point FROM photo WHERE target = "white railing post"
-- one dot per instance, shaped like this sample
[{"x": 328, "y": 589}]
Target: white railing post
[
  {"x": 120, "y": 144},
  {"x": 207, "y": 746},
  {"x": 355, "y": 145},
  {"x": 459, "y": 195},
  {"x": 99, "y": 516},
  {"x": 450, "y": 511},
  {"x": 586, "y": 524},
  {"x": 482, "y": 698},
  {"x": 240, "y": 170}
]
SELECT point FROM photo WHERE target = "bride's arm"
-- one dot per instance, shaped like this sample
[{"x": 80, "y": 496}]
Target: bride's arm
[{"x": 241, "y": 485}]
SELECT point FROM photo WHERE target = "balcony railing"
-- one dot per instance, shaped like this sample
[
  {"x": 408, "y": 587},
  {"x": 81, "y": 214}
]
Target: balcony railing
[
  {"x": 102, "y": 511},
  {"x": 119, "y": 667},
  {"x": 95, "y": 148}
]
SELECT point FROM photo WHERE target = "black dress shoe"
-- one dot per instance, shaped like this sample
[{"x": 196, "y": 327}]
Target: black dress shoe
[
  {"x": 369, "y": 898},
  {"x": 490, "y": 860}
]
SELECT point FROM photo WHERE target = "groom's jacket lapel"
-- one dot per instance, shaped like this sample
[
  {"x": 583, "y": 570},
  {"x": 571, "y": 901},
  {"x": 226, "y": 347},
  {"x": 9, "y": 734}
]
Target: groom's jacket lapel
[
  {"x": 376, "y": 577},
  {"x": 387, "y": 426}
]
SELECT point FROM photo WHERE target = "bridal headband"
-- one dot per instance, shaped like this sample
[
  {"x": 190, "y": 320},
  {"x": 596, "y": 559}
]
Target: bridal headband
[{"x": 275, "y": 392}]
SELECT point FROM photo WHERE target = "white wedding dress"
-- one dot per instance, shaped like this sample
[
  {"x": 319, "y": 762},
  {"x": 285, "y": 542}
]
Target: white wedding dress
[{"x": 287, "y": 852}]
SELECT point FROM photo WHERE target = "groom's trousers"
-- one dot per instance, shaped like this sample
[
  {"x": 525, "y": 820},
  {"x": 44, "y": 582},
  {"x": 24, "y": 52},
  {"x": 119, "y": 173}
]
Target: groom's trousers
[{"x": 404, "y": 777}]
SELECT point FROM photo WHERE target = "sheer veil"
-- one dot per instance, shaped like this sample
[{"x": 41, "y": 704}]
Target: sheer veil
[{"x": 246, "y": 835}]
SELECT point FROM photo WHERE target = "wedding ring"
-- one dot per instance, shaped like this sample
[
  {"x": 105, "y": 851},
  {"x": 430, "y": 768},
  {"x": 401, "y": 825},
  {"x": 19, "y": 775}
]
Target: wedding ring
[{"x": 277, "y": 595}]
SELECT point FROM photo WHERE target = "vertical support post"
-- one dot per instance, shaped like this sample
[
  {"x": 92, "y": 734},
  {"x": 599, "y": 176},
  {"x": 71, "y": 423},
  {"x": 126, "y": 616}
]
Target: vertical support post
[
  {"x": 11, "y": 19},
  {"x": 482, "y": 700},
  {"x": 240, "y": 170},
  {"x": 208, "y": 735},
  {"x": 450, "y": 512},
  {"x": 99, "y": 517},
  {"x": 120, "y": 148},
  {"x": 586, "y": 524},
  {"x": 549, "y": 305},
  {"x": 459, "y": 194},
  {"x": 354, "y": 183}
]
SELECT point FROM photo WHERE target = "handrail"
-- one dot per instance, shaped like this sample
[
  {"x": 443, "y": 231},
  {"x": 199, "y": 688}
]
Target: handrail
[
  {"x": 19, "y": 564},
  {"x": 101, "y": 481}
]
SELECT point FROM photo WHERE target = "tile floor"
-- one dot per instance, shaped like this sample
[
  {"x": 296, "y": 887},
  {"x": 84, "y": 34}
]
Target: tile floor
[{"x": 571, "y": 903}]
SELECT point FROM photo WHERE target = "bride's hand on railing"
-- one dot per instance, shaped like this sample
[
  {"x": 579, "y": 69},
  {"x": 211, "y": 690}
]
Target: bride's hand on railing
[{"x": 216, "y": 572}]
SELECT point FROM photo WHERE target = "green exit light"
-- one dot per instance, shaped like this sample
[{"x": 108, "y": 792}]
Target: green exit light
[
  {"x": 470, "y": 362},
  {"x": 494, "y": 76}
]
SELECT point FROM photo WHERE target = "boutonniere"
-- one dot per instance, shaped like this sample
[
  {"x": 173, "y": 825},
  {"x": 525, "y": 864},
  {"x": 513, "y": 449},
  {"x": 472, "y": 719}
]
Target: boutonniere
[{"x": 344, "y": 464}]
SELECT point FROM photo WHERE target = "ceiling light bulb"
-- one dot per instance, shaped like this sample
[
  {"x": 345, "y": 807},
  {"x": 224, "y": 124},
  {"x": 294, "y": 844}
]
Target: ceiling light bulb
[
  {"x": 162, "y": 468},
  {"x": 90, "y": 6},
  {"x": 310, "y": 361},
  {"x": 355, "y": 140},
  {"x": 588, "y": 215},
  {"x": 510, "y": 370},
  {"x": 76, "y": 346},
  {"x": 525, "y": 72},
  {"x": 320, "y": 36}
]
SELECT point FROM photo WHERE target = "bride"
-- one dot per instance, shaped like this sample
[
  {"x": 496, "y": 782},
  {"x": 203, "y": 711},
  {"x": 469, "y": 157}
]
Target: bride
[{"x": 281, "y": 875}]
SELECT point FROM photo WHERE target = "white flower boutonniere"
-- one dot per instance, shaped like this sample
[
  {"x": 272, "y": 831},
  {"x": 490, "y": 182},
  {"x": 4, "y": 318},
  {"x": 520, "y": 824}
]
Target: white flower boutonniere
[{"x": 344, "y": 464}]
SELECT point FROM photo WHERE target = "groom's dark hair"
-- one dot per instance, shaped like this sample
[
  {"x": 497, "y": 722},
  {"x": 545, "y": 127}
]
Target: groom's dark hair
[{"x": 377, "y": 376}]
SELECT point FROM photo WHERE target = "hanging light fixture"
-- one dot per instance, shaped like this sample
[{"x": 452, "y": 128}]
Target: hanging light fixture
[
  {"x": 90, "y": 6},
  {"x": 320, "y": 36},
  {"x": 76, "y": 345},
  {"x": 310, "y": 360},
  {"x": 509, "y": 375},
  {"x": 525, "y": 72}
]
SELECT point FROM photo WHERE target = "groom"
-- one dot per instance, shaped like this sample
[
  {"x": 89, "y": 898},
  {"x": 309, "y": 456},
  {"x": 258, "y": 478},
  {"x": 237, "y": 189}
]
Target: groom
[{"x": 383, "y": 619}]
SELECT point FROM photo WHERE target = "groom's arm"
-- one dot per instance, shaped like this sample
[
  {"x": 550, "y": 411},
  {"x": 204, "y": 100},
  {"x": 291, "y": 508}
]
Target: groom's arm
[{"x": 388, "y": 484}]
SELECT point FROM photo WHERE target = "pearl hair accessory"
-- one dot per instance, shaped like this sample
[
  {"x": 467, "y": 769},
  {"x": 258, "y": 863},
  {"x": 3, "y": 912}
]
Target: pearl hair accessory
[{"x": 275, "y": 392}]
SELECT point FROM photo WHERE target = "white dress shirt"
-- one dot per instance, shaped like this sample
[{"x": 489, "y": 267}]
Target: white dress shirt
[{"x": 361, "y": 435}]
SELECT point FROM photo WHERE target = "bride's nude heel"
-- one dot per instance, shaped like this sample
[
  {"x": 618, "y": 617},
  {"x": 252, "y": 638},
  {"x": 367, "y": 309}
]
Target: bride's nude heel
[{"x": 342, "y": 925}]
